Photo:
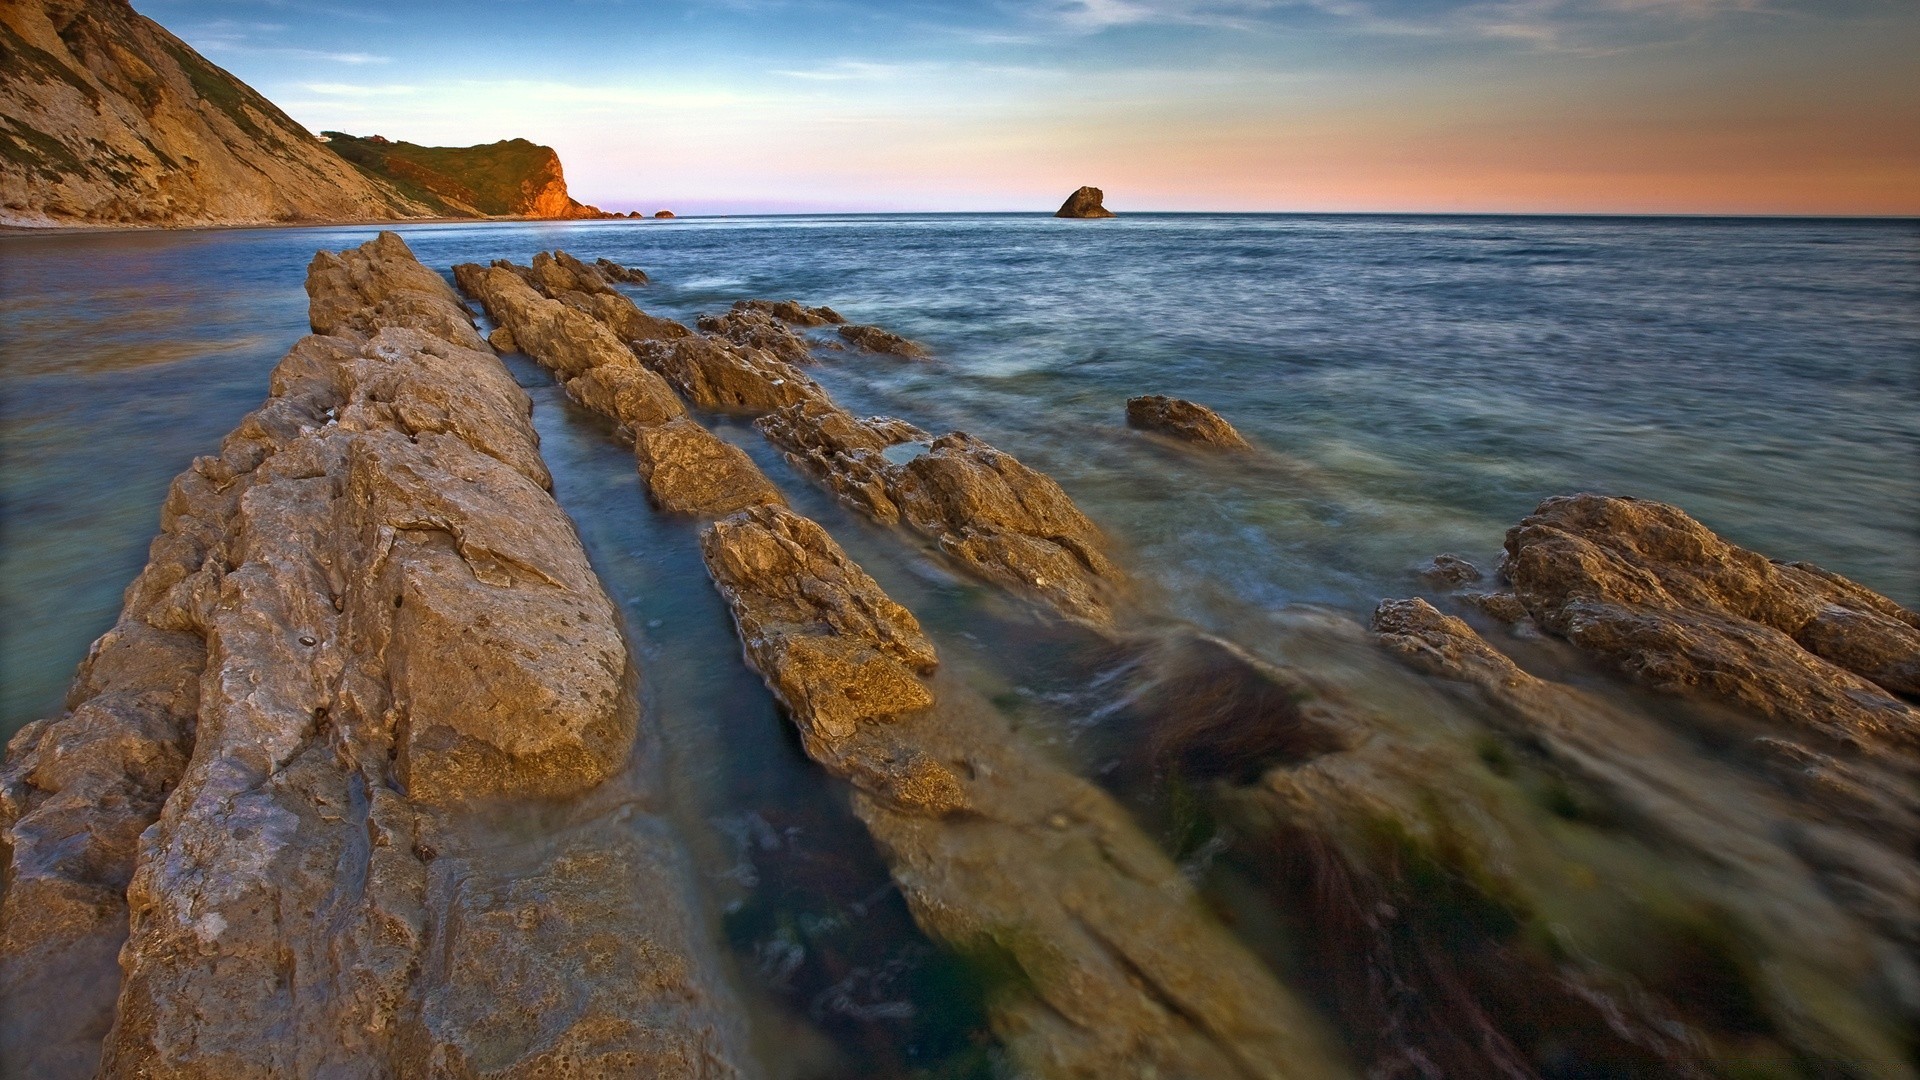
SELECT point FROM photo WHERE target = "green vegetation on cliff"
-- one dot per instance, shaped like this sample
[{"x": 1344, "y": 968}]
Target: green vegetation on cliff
[{"x": 512, "y": 177}]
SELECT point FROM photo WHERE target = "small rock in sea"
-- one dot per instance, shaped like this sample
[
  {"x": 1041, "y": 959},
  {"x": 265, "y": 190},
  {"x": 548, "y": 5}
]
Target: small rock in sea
[
  {"x": 1447, "y": 571},
  {"x": 663, "y": 214},
  {"x": 1084, "y": 203},
  {"x": 502, "y": 340},
  {"x": 1186, "y": 420}
]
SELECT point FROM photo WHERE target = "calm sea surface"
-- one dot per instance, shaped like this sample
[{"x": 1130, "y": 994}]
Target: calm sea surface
[{"x": 1418, "y": 384}]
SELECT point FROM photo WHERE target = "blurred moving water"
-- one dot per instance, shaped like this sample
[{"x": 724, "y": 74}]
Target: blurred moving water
[{"x": 1416, "y": 385}]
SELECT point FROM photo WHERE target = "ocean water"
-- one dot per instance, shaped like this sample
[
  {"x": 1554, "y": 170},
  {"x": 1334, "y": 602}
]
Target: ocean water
[{"x": 1416, "y": 385}]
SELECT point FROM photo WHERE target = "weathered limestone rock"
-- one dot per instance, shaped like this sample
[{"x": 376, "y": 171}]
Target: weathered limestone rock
[
  {"x": 1183, "y": 420},
  {"x": 690, "y": 470},
  {"x": 1110, "y": 964},
  {"x": 685, "y": 467},
  {"x": 1658, "y": 595},
  {"x": 1004, "y": 521},
  {"x": 366, "y": 642},
  {"x": 792, "y": 312},
  {"x": 752, "y": 328},
  {"x": 1843, "y": 847},
  {"x": 626, "y": 275},
  {"x": 874, "y": 339},
  {"x": 720, "y": 377},
  {"x": 1084, "y": 203}
]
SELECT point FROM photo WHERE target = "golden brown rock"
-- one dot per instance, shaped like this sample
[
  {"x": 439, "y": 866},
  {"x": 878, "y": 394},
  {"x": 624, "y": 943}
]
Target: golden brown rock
[
  {"x": 1110, "y": 964},
  {"x": 626, "y": 275},
  {"x": 792, "y": 312},
  {"x": 689, "y": 470},
  {"x": 752, "y": 328},
  {"x": 1184, "y": 420},
  {"x": 874, "y": 339},
  {"x": 1655, "y": 593},
  {"x": 1084, "y": 203},
  {"x": 722, "y": 377},
  {"x": 366, "y": 643},
  {"x": 980, "y": 505}
]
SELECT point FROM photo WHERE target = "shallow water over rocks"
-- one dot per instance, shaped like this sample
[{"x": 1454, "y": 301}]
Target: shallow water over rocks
[{"x": 1414, "y": 386}]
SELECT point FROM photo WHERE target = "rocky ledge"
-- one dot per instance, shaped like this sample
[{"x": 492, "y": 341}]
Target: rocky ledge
[
  {"x": 294, "y": 791},
  {"x": 1184, "y": 420},
  {"x": 1107, "y": 963},
  {"x": 1658, "y": 595}
]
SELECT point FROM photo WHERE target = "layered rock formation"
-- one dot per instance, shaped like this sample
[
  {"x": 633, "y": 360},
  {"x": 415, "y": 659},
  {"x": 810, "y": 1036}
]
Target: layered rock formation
[
  {"x": 1781, "y": 907},
  {"x": 509, "y": 178},
  {"x": 1658, "y": 595},
  {"x": 105, "y": 118},
  {"x": 350, "y": 776},
  {"x": 1107, "y": 963},
  {"x": 1084, "y": 203},
  {"x": 981, "y": 506},
  {"x": 686, "y": 468},
  {"x": 1184, "y": 420}
]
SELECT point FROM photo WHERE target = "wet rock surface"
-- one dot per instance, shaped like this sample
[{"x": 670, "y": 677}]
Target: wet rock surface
[
  {"x": 1655, "y": 593},
  {"x": 374, "y": 713},
  {"x": 685, "y": 467},
  {"x": 751, "y": 328},
  {"x": 1084, "y": 203},
  {"x": 1109, "y": 964},
  {"x": 1183, "y": 420},
  {"x": 626, "y": 275},
  {"x": 874, "y": 339},
  {"x": 1784, "y": 839},
  {"x": 979, "y": 505}
]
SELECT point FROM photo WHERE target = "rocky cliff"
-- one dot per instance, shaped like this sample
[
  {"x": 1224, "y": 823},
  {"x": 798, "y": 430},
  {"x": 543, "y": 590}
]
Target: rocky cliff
[
  {"x": 106, "y": 118},
  {"x": 512, "y": 178}
]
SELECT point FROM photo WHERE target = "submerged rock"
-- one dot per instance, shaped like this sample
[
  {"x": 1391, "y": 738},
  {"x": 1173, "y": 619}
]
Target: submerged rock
[
  {"x": 1758, "y": 853},
  {"x": 1655, "y": 593},
  {"x": 874, "y": 339},
  {"x": 980, "y": 505},
  {"x": 1084, "y": 203},
  {"x": 367, "y": 642},
  {"x": 1183, "y": 420},
  {"x": 1105, "y": 961}
]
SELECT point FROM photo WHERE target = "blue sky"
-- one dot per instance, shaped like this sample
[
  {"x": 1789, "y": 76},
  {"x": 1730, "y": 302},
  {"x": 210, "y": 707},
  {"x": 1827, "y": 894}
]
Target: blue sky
[{"x": 1777, "y": 106}]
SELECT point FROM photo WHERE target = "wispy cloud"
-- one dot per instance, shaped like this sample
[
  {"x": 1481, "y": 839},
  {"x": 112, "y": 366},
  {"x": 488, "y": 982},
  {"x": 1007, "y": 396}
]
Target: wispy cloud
[
  {"x": 848, "y": 71},
  {"x": 358, "y": 90}
]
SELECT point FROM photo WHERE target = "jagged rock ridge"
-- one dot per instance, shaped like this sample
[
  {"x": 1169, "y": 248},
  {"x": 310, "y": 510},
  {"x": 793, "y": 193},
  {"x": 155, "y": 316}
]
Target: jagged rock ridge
[{"x": 298, "y": 778}]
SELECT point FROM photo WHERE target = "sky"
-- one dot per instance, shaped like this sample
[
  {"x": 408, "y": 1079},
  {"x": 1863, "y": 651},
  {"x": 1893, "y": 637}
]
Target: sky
[{"x": 772, "y": 106}]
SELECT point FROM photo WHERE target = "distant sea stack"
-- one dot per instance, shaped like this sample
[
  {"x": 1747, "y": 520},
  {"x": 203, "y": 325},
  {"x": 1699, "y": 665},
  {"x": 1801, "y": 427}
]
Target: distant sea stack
[
  {"x": 106, "y": 118},
  {"x": 510, "y": 178},
  {"x": 1084, "y": 203},
  {"x": 664, "y": 214}
]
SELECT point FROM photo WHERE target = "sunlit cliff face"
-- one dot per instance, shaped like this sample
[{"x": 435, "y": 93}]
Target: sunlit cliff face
[{"x": 1664, "y": 106}]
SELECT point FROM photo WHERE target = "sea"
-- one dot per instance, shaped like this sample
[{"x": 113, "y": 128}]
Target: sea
[{"x": 1414, "y": 385}]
